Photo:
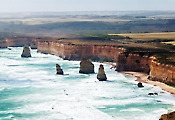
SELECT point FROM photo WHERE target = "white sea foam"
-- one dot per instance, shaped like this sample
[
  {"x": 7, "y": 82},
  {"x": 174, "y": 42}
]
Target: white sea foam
[{"x": 32, "y": 89}]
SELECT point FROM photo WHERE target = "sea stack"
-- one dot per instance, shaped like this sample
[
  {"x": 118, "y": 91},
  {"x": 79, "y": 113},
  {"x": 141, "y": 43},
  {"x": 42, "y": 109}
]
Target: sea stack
[
  {"x": 168, "y": 116},
  {"x": 101, "y": 76},
  {"x": 26, "y": 52},
  {"x": 86, "y": 66},
  {"x": 59, "y": 70},
  {"x": 33, "y": 45}
]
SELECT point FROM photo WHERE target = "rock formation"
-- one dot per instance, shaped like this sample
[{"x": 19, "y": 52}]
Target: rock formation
[
  {"x": 101, "y": 76},
  {"x": 26, "y": 52},
  {"x": 168, "y": 116},
  {"x": 86, "y": 66},
  {"x": 59, "y": 70},
  {"x": 140, "y": 85},
  {"x": 33, "y": 45}
]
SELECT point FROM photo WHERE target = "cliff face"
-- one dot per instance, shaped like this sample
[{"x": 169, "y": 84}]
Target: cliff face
[
  {"x": 133, "y": 62},
  {"x": 16, "y": 42},
  {"x": 77, "y": 52},
  {"x": 161, "y": 72}
]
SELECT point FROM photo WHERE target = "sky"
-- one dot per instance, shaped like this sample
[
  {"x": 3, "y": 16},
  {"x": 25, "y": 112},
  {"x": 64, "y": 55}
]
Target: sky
[{"x": 84, "y": 5}]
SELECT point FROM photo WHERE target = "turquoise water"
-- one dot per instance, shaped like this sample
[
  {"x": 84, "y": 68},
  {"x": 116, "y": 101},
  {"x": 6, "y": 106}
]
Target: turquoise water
[{"x": 30, "y": 90}]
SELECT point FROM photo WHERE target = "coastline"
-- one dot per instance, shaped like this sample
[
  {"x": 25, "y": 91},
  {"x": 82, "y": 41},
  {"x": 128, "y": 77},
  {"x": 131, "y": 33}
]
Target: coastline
[{"x": 142, "y": 77}]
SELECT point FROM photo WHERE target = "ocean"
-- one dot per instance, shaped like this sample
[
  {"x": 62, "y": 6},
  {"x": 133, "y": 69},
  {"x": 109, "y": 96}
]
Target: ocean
[{"x": 31, "y": 90}]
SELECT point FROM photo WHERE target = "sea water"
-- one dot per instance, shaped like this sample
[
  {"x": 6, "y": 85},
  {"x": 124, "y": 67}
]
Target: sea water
[{"x": 31, "y": 90}]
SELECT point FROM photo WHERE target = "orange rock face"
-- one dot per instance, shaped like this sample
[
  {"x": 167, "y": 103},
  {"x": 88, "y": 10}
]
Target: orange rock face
[
  {"x": 161, "y": 72},
  {"x": 15, "y": 42},
  {"x": 133, "y": 62},
  {"x": 168, "y": 116},
  {"x": 77, "y": 52}
]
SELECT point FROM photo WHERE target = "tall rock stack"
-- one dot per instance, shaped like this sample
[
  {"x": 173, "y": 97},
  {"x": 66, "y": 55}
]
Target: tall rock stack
[
  {"x": 26, "y": 52},
  {"x": 59, "y": 70},
  {"x": 101, "y": 76},
  {"x": 86, "y": 66}
]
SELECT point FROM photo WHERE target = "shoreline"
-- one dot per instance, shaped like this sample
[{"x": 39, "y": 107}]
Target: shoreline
[{"x": 143, "y": 77}]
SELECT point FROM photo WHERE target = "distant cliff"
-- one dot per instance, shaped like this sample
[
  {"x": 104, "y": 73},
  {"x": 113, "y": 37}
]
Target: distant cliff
[{"x": 15, "y": 42}]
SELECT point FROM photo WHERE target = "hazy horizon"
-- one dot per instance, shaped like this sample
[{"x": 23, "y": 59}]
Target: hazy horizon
[{"x": 90, "y": 5}]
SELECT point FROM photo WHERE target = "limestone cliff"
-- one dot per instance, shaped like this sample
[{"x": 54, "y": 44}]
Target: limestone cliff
[
  {"x": 77, "y": 52},
  {"x": 16, "y": 42},
  {"x": 161, "y": 72},
  {"x": 133, "y": 62}
]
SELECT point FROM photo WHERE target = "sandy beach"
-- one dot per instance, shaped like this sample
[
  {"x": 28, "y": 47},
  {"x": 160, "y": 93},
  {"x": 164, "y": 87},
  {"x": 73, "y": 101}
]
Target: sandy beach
[{"x": 142, "y": 77}]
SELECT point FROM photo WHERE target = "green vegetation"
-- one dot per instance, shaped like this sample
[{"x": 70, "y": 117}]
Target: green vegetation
[{"x": 170, "y": 84}]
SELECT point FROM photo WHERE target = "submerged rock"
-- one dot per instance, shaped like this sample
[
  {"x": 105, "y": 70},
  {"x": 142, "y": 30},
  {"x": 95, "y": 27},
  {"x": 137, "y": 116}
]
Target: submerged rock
[
  {"x": 59, "y": 70},
  {"x": 152, "y": 94},
  {"x": 168, "y": 116},
  {"x": 101, "y": 76},
  {"x": 140, "y": 85},
  {"x": 26, "y": 52},
  {"x": 86, "y": 66}
]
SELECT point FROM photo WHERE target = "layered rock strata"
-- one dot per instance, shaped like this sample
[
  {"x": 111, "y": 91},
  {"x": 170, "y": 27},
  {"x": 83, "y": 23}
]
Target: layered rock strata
[
  {"x": 26, "y": 52},
  {"x": 59, "y": 70},
  {"x": 101, "y": 76},
  {"x": 133, "y": 62},
  {"x": 86, "y": 66},
  {"x": 69, "y": 51},
  {"x": 161, "y": 72}
]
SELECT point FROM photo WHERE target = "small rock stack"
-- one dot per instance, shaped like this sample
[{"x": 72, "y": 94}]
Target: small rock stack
[
  {"x": 59, "y": 70},
  {"x": 26, "y": 52},
  {"x": 86, "y": 66},
  {"x": 140, "y": 85},
  {"x": 101, "y": 76}
]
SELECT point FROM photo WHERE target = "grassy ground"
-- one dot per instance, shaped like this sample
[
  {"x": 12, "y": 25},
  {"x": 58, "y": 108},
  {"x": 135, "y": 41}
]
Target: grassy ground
[{"x": 149, "y": 36}]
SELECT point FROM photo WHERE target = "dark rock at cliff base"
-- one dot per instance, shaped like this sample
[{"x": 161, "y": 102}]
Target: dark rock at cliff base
[
  {"x": 59, "y": 70},
  {"x": 140, "y": 85},
  {"x": 86, "y": 66},
  {"x": 101, "y": 76},
  {"x": 168, "y": 116},
  {"x": 26, "y": 52}
]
